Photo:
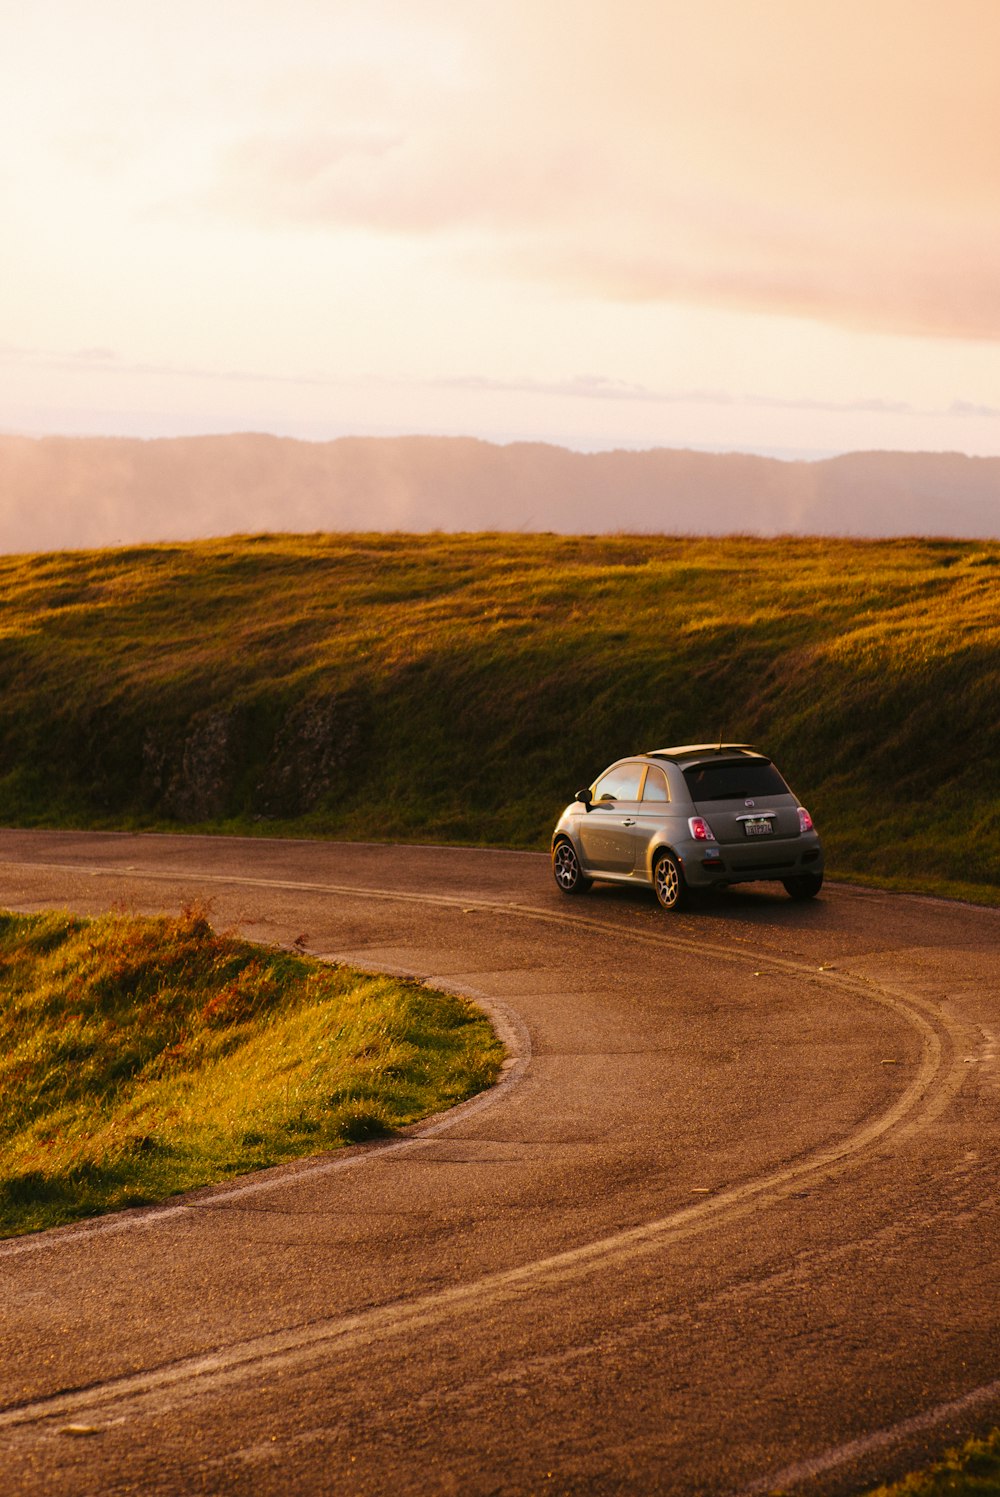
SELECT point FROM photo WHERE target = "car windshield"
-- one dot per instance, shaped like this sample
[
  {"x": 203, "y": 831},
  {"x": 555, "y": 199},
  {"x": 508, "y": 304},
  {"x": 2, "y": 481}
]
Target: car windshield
[{"x": 733, "y": 781}]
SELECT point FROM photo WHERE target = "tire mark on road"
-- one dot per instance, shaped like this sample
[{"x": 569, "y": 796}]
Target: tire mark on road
[{"x": 881, "y": 1439}]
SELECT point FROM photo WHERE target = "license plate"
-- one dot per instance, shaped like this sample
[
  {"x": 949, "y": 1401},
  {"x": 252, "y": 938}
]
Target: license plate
[{"x": 757, "y": 826}]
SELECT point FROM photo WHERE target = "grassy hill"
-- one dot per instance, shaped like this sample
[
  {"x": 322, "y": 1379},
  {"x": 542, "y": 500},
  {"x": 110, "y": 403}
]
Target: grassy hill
[
  {"x": 462, "y": 687},
  {"x": 141, "y": 1057}
]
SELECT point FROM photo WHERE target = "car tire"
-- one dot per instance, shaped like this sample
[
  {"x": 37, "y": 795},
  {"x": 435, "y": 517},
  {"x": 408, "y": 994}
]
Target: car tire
[
  {"x": 803, "y": 885},
  {"x": 669, "y": 884},
  {"x": 569, "y": 876}
]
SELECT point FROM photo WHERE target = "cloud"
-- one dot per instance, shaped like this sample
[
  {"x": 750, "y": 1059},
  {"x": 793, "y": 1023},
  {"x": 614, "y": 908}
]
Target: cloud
[
  {"x": 857, "y": 276},
  {"x": 419, "y": 181},
  {"x": 970, "y": 408},
  {"x": 590, "y": 387},
  {"x": 835, "y": 165},
  {"x": 600, "y": 387},
  {"x": 108, "y": 361}
]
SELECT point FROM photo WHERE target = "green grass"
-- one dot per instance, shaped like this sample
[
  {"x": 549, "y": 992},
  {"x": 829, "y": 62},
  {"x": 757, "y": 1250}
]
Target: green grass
[
  {"x": 142, "y": 1057},
  {"x": 461, "y": 688},
  {"x": 975, "y": 1468}
]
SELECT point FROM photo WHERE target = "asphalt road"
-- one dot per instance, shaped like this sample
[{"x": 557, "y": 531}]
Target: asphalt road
[{"x": 729, "y": 1224}]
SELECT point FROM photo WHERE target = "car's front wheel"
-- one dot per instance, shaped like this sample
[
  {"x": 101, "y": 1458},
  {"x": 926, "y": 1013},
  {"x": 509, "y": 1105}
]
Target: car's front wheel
[
  {"x": 803, "y": 885},
  {"x": 668, "y": 882},
  {"x": 567, "y": 871}
]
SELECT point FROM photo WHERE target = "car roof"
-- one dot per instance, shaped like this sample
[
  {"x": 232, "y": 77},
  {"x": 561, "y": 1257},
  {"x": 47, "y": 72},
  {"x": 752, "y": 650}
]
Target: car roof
[{"x": 700, "y": 753}]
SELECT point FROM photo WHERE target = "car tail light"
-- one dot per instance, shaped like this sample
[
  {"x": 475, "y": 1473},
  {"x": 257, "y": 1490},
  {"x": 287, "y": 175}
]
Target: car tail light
[
  {"x": 805, "y": 820},
  {"x": 700, "y": 829}
]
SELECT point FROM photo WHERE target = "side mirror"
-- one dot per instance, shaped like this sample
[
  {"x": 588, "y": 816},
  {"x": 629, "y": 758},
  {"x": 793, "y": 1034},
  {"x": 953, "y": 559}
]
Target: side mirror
[{"x": 584, "y": 797}]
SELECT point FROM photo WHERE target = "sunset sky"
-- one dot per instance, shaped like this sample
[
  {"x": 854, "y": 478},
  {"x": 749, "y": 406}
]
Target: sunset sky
[{"x": 765, "y": 225}]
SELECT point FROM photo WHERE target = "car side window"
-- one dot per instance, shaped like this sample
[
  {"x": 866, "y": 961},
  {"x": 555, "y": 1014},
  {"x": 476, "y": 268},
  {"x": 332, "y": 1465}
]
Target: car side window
[
  {"x": 655, "y": 787},
  {"x": 620, "y": 783}
]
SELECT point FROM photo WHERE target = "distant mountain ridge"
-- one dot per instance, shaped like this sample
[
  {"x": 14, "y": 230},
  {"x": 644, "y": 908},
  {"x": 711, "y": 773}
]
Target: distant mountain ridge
[{"x": 61, "y": 493}]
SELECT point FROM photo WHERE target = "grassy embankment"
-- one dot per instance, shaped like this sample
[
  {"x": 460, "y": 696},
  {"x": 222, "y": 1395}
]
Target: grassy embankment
[
  {"x": 141, "y": 1057},
  {"x": 972, "y": 1469},
  {"x": 461, "y": 688}
]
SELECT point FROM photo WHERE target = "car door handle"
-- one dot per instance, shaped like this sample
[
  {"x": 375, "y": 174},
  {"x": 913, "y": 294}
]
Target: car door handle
[{"x": 629, "y": 821}]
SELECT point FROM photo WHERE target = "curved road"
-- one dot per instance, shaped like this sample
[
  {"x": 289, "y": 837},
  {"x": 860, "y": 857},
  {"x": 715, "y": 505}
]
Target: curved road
[{"x": 729, "y": 1224}]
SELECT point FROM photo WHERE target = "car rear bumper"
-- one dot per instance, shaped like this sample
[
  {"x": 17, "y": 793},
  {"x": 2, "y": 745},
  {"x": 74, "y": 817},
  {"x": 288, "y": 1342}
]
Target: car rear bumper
[{"x": 706, "y": 865}]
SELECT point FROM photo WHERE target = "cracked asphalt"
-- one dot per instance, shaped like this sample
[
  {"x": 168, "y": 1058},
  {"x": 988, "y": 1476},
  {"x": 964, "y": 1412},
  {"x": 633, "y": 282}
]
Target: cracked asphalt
[{"x": 729, "y": 1223}]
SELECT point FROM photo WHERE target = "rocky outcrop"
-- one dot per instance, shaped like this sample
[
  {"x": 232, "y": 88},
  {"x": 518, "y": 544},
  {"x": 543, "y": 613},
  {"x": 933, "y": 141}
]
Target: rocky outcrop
[
  {"x": 316, "y": 746},
  {"x": 209, "y": 767},
  {"x": 190, "y": 775}
]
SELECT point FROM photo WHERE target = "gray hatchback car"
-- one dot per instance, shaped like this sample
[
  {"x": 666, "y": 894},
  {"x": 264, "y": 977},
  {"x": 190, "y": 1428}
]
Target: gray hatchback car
[{"x": 698, "y": 817}]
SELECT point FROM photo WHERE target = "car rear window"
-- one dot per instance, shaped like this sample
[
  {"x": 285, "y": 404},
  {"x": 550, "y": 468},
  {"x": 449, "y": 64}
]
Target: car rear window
[{"x": 733, "y": 781}]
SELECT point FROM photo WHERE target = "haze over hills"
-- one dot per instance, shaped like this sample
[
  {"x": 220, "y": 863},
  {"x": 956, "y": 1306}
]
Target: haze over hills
[{"x": 69, "y": 492}]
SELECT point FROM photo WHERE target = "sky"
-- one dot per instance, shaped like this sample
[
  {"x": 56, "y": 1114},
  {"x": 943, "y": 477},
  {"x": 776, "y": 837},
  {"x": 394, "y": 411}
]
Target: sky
[{"x": 757, "y": 225}]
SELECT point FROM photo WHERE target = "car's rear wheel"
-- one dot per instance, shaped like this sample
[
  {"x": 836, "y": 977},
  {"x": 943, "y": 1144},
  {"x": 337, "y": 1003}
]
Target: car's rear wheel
[
  {"x": 803, "y": 885},
  {"x": 668, "y": 882},
  {"x": 567, "y": 871}
]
